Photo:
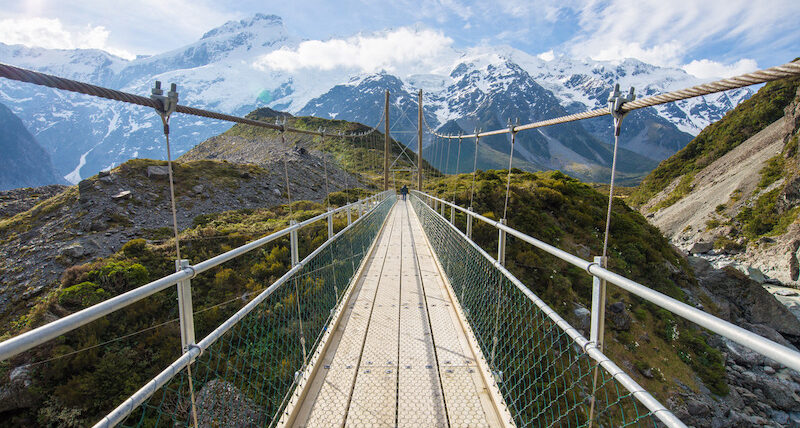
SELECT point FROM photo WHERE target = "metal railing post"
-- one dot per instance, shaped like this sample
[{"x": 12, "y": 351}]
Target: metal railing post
[
  {"x": 598, "y": 308},
  {"x": 349, "y": 216},
  {"x": 469, "y": 223},
  {"x": 501, "y": 244},
  {"x": 330, "y": 223},
  {"x": 293, "y": 244},
  {"x": 185, "y": 312},
  {"x": 452, "y": 214}
]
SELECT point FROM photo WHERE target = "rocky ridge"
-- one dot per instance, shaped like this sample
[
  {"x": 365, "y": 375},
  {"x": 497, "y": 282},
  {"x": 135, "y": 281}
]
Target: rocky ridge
[
  {"x": 742, "y": 208},
  {"x": 96, "y": 217}
]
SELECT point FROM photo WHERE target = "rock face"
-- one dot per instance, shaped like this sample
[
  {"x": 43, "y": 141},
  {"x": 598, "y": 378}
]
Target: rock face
[
  {"x": 723, "y": 197},
  {"x": 89, "y": 222},
  {"x": 762, "y": 391},
  {"x": 18, "y": 200},
  {"x": 741, "y": 298},
  {"x": 24, "y": 163}
]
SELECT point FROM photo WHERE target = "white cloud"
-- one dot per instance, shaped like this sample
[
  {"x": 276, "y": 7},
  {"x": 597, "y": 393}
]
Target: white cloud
[
  {"x": 665, "y": 54},
  {"x": 667, "y": 33},
  {"x": 51, "y": 34},
  {"x": 547, "y": 56},
  {"x": 707, "y": 69},
  {"x": 386, "y": 51}
]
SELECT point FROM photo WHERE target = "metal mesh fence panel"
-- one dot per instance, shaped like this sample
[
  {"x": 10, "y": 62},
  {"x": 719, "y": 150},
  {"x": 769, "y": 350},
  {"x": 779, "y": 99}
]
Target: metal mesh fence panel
[
  {"x": 246, "y": 376},
  {"x": 545, "y": 377}
]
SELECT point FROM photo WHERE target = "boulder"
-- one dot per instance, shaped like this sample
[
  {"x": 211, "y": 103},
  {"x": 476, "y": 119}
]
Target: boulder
[
  {"x": 756, "y": 275},
  {"x": 701, "y": 247},
  {"x": 583, "y": 318},
  {"x": 619, "y": 317},
  {"x": 15, "y": 393},
  {"x": 157, "y": 171},
  {"x": 220, "y": 403},
  {"x": 742, "y": 299},
  {"x": 74, "y": 251},
  {"x": 125, "y": 194},
  {"x": 276, "y": 191},
  {"x": 198, "y": 189}
]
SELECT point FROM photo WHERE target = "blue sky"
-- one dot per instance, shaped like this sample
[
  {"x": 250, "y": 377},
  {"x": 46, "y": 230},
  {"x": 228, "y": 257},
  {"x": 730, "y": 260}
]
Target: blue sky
[{"x": 705, "y": 37}]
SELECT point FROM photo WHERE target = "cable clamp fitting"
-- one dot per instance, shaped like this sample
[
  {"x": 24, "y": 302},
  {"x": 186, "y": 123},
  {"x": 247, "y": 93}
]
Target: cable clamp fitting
[
  {"x": 169, "y": 102},
  {"x": 511, "y": 126},
  {"x": 615, "y": 102},
  {"x": 589, "y": 267}
]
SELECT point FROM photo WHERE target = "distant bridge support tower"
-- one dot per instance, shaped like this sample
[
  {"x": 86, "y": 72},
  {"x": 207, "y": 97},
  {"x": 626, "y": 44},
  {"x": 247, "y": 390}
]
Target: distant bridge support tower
[
  {"x": 386, "y": 144},
  {"x": 419, "y": 143}
]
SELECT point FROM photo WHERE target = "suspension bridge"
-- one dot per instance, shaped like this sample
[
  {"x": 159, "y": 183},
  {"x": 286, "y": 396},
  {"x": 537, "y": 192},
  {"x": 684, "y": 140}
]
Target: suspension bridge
[{"x": 397, "y": 319}]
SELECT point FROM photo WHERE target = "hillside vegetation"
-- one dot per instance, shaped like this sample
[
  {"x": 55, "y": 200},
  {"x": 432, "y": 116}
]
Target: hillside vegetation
[
  {"x": 564, "y": 212},
  {"x": 739, "y": 124},
  {"x": 81, "y": 376},
  {"x": 361, "y": 155}
]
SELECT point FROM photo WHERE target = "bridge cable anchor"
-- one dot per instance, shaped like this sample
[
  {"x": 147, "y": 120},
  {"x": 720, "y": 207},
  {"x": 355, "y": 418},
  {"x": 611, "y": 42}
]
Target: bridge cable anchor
[
  {"x": 169, "y": 102},
  {"x": 615, "y": 102}
]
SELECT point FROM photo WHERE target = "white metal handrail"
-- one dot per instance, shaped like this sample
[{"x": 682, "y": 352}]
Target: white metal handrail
[
  {"x": 37, "y": 336},
  {"x": 123, "y": 410},
  {"x": 591, "y": 348},
  {"x": 780, "y": 353}
]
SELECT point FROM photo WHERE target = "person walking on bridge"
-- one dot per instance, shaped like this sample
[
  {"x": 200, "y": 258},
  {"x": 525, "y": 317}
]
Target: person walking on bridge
[{"x": 404, "y": 191}]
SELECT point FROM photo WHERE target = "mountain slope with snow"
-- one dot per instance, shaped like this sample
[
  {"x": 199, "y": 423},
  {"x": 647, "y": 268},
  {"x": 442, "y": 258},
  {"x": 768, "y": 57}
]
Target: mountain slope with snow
[{"x": 223, "y": 71}]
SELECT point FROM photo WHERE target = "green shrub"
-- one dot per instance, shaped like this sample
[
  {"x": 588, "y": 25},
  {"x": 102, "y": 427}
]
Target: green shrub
[
  {"x": 82, "y": 295},
  {"x": 120, "y": 275},
  {"x": 771, "y": 172},
  {"x": 134, "y": 248},
  {"x": 739, "y": 124}
]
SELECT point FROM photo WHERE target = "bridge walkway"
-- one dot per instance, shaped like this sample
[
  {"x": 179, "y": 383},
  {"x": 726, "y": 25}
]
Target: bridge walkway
[{"x": 399, "y": 355}]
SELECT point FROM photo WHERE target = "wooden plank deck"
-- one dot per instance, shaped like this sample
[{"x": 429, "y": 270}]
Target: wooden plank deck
[{"x": 399, "y": 356}]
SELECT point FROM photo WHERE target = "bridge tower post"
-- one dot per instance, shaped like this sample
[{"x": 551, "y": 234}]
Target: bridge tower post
[
  {"x": 386, "y": 143},
  {"x": 419, "y": 143}
]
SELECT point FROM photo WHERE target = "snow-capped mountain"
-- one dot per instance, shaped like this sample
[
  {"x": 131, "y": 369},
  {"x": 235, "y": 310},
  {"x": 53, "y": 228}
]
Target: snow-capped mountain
[{"x": 480, "y": 87}]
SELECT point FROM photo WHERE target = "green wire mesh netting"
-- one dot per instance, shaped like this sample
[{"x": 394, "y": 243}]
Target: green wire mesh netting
[
  {"x": 545, "y": 378},
  {"x": 246, "y": 377}
]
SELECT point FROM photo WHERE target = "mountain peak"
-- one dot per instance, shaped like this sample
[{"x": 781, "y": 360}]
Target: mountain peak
[{"x": 258, "y": 20}]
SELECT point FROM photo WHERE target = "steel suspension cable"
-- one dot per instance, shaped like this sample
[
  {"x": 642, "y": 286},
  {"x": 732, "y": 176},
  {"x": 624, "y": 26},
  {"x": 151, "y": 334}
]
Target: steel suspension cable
[
  {"x": 286, "y": 174},
  {"x": 508, "y": 179},
  {"x": 610, "y": 194},
  {"x": 448, "y": 156},
  {"x": 458, "y": 165},
  {"x": 474, "y": 169},
  {"x": 42, "y": 79}
]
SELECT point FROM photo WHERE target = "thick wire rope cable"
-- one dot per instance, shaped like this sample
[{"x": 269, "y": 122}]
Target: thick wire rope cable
[
  {"x": 165, "y": 122},
  {"x": 610, "y": 194},
  {"x": 790, "y": 69},
  {"x": 508, "y": 179},
  {"x": 458, "y": 165},
  {"x": 474, "y": 169},
  {"x": 286, "y": 174}
]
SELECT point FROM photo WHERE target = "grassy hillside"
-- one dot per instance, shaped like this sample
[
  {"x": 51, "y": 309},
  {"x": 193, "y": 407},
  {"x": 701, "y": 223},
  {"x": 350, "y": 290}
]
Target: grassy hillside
[
  {"x": 82, "y": 375},
  {"x": 739, "y": 124},
  {"x": 571, "y": 215},
  {"x": 248, "y": 144}
]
